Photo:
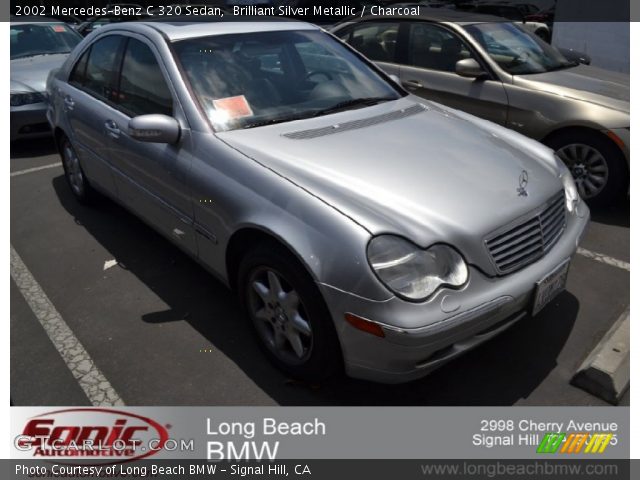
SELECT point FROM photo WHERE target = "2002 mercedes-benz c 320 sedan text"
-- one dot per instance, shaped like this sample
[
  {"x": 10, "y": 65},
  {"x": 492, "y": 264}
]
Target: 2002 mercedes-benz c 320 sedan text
[{"x": 361, "y": 226}]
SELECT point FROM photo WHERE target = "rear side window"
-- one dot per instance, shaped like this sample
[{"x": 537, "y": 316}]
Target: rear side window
[
  {"x": 102, "y": 67},
  {"x": 143, "y": 88}
]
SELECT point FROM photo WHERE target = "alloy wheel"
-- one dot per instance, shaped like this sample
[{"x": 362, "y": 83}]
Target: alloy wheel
[
  {"x": 279, "y": 316},
  {"x": 588, "y": 167},
  {"x": 73, "y": 169}
]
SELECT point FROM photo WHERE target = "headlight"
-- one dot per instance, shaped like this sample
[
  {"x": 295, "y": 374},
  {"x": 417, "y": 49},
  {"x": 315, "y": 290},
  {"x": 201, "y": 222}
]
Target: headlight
[
  {"x": 413, "y": 273},
  {"x": 570, "y": 191},
  {"x": 26, "y": 98}
]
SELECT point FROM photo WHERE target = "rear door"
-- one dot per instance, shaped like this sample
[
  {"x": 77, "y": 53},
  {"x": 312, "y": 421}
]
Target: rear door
[
  {"x": 428, "y": 69},
  {"x": 87, "y": 99}
]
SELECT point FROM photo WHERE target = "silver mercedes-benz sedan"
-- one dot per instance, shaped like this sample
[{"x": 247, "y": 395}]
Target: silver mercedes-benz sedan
[
  {"x": 38, "y": 45},
  {"x": 362, "y": 227}
]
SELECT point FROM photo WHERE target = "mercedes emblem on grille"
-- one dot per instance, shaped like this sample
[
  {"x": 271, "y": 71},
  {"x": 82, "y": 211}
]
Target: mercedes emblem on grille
[{"x": 523, "y": 182}]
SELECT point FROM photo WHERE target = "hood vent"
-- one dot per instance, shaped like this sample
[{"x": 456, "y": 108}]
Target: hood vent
[{"x": 355, "y": 124}]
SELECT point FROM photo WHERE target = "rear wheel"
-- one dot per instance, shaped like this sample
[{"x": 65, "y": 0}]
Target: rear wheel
[
  {"x": 291, "y": 320},
  {"x": 74, "y": 174},
  {"x": 597, "y": 165}
]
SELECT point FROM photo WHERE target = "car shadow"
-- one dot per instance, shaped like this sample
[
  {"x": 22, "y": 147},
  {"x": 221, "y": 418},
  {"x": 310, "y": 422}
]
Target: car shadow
[
  {"x": 618, "y": 214},
  {"x": 32, "y": 148},
  {"x": 500, "y": 372}
]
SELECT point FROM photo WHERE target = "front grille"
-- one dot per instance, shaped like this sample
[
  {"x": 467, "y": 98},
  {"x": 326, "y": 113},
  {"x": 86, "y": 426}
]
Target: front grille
[{"x": 529, "y": 238}]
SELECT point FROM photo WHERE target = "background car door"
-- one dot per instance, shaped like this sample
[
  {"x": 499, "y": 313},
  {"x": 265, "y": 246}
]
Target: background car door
[
  {"x": 85, "y": 100},
  {"x": 150, "y": 177},
  {"x": 377, "y": 41},
  {"x": 428, "y": 69}
]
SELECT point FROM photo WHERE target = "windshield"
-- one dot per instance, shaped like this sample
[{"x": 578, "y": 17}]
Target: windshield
[
  {"x": 42, "y": 39},
  {"x": 252, "y": 79},
  {"x": 517, "y": 51}
]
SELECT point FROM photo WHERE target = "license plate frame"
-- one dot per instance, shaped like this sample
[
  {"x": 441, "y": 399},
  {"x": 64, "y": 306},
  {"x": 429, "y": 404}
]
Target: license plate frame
[{"x": 550, "y": 286}]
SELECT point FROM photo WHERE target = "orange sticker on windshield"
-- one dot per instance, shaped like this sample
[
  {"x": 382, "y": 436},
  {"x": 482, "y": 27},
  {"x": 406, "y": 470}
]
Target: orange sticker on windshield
[
  {"x": 58, "y": 28},
  {"x": 234, "y": 107}
]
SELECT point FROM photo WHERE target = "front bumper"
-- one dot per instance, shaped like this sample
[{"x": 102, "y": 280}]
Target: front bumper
[
  {"x": 449, "y": 324},
  {"x": 29, "y": 121}
]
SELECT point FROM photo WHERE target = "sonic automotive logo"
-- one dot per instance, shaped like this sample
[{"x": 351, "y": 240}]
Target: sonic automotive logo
[{"x": 92, "y": 432}]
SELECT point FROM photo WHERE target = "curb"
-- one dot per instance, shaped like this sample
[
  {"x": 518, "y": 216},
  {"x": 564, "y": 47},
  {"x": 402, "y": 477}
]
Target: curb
[{"x": 605, "y": 372}]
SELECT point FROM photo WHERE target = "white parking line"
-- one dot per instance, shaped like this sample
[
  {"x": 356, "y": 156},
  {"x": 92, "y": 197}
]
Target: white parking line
[
  {"x": 35, "y": 169},
  {"x": 600, "y": 257},
  {"x": 89, "y": 377}
]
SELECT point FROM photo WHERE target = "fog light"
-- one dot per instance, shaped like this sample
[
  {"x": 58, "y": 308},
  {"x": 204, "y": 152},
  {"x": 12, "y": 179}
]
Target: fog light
[{"x": 364, "y": 325}]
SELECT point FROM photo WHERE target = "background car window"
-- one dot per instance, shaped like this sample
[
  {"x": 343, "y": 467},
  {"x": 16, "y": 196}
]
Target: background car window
[
  {"x": 143, "y": 89},
  {"x": 517, "y": 51},
  {"x": 42, "y": 39},
  {"x": 376, "y": 41},
  {"x": 435, "y": 48},
  {"x": 102, "y": 68}
]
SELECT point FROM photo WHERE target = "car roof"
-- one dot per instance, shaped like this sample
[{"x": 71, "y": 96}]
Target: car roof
[
  {"x": 180, "y": 28},
  {"x": 444, "y": 15}
]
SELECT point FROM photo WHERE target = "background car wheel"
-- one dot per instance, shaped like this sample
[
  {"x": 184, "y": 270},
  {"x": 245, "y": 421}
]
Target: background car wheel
[
  {"x": 596, "y": 163},
  {"x": 291, "y": 320},
  {"x": 74, "y": 174}
]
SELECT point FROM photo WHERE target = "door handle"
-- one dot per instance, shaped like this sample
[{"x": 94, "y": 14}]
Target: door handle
[
  {"x": 413, "y": 84},
  {"x": 112, "y": 128},
  {"x": 68, "y": 102}
]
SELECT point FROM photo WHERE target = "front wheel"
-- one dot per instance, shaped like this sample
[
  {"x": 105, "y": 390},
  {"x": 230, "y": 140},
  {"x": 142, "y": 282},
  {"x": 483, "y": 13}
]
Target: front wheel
[
  {"x": 291, "y": 320},
  {"x": 597, "y": 165}
]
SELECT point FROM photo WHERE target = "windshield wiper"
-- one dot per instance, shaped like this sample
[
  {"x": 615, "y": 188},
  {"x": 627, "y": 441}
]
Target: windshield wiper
[
  {"x": 272, "y": 121},
  {"x": 562, "y": 66},
  {"x": 344, "y": 105},
  {"x": 354, "y": 102}
]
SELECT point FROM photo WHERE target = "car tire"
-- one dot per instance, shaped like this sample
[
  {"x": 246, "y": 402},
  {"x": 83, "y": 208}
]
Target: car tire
[
  {"x": 74, "y": 174},
  {"x": 594, "y": 161},
  {"x": 271, "y": 307}
]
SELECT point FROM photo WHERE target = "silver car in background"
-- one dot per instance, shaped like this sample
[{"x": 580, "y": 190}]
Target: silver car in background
[
  {"x": 500, "y": 72},
  {"x": 37, "y": 46},
  {"x": 363, "y": 228}
]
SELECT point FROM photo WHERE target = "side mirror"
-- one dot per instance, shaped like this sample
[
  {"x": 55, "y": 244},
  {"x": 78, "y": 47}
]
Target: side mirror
[
  {"x": 154, "y": 128},
  {"x": 396, "y": 79},
  {"x": 469, "y": 68}
]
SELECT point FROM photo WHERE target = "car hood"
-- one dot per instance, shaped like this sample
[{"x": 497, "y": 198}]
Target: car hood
[
  {"x": 438, "y": 175},
  {"x": 30, "y": 73},
  {"x": 584, "y": 82}
]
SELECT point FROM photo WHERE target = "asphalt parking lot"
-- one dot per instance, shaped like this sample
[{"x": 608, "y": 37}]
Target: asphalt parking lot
[{"x": 164, "y": 332}]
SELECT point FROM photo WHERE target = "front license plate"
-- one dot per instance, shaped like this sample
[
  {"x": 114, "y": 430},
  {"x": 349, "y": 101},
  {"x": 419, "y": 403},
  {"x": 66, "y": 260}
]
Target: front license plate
[{"x": 550, "y": 286}]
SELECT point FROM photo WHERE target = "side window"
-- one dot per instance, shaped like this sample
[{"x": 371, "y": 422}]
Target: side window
[
  {"x": 102, "y": 67},
  {"x": 376, "y": 41},
  {"x": 435, "y": 48},
  {"x": 143, "y": 88},
  {"x": 78, "y": 74}
]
